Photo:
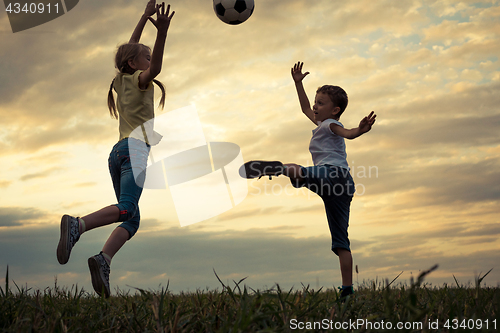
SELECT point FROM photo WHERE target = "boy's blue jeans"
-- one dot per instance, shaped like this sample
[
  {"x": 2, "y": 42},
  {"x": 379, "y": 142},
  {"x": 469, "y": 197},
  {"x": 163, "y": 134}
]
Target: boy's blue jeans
[
  {"x": 336, "y": 187},
  {"x": 128, "y": 188}
]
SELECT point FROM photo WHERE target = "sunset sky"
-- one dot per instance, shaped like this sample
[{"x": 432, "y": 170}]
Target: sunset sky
[{"x": 427, "y": 175}]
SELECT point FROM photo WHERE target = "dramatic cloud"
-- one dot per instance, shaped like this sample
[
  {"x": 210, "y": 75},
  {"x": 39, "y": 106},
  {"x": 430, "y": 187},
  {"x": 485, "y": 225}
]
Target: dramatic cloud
[{"x": 17, "y": 216}]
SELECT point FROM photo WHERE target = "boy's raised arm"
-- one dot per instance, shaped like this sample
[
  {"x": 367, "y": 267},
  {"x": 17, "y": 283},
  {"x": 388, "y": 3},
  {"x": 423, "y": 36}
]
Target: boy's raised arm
[
  {"x": 365, "y": 125},
  {"x": 298, "y": 76},
  {"x": 150, "y": 10}
]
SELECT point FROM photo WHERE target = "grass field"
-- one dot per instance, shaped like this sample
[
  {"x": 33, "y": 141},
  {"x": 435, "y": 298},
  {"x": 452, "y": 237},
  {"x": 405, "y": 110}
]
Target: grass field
[{"x": 375, "y": 307}]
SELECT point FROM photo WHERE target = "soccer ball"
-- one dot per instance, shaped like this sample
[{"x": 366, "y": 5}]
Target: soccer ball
[{"x": 233, "y": 11}]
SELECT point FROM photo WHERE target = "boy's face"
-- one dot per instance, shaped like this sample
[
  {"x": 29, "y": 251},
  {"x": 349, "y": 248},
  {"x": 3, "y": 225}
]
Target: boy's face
[{"x": 323, "y": 107}]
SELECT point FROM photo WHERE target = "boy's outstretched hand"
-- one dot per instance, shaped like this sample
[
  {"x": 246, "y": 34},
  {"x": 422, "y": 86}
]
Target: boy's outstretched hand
[
  {"x": 163, "y": 19},
  {"x": 366, "y": 123},
  {"x": 297, "y": 72}
]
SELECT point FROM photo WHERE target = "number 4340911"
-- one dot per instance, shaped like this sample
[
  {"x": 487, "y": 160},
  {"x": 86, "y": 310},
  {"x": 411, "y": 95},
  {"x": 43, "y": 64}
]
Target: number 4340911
[
  {"x": 32, "y": 8},
  {"x": 470, "y": 324}
]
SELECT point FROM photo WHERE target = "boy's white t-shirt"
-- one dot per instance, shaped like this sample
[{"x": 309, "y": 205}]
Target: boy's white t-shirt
[{"x": 326, "y": 147}]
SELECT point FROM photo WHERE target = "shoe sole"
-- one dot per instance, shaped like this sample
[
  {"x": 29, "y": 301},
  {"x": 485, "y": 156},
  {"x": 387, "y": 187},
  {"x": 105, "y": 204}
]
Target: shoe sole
[
  {"x": 62, "y": 247},
  {"x": 97, "y": 279},
  {"x": 257, "y": 169}
]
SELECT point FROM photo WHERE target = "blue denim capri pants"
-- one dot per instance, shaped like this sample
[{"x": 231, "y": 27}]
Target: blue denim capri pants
[
  {"x": 336, "y": 187},
  {"x": 128, "y": 187}
]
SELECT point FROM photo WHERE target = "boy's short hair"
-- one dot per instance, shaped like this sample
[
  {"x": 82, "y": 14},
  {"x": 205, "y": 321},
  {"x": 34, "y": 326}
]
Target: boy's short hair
[{"x": 336, "y": 94}]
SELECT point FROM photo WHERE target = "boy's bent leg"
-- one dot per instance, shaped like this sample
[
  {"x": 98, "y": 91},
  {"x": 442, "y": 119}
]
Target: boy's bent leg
[
  {"x": 294, "y": 172},
  {"x": 345, "y": 259}
]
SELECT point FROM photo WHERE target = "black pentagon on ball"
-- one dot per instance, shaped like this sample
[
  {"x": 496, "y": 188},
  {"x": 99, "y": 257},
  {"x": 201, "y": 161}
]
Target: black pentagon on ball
[
  {"x": 219, "y": 8},
  {"x": 240, "y": 6},
  {"x": 235, "y": 22}
]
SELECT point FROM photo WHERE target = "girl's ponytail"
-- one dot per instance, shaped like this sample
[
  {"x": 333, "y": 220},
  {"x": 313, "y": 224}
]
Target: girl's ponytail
[
  {"x": 111, "y": 102},
  {"x": 162, "y": 88}
]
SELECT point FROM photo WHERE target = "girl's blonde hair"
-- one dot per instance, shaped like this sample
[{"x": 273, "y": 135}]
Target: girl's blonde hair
[{"x": 126, "y": 52}]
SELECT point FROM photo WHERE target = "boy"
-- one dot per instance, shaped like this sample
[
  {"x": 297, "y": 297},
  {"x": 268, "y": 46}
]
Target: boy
[{"x": 329, "y": 177}]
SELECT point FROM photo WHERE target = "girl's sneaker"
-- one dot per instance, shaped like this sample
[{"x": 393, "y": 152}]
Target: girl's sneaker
[
  {"x": 254, "y": 169},
  {"x": 70, "y": 234},
  {"x": 99, "y": 272}
]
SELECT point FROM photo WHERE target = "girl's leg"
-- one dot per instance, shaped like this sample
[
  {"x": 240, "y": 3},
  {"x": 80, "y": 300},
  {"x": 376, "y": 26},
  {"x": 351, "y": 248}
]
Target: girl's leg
[
  {"x": 125, "y": 185},
  {"x": 128, "y": 190},
  {"x": 102, "y": 217},
  {"x": 115, "y": 241}
]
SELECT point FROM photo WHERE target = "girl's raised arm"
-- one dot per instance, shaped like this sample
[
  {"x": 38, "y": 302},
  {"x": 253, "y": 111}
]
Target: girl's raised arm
[
  {"x": 150, "y": 10},
  {"x": 162, "y": 23}
]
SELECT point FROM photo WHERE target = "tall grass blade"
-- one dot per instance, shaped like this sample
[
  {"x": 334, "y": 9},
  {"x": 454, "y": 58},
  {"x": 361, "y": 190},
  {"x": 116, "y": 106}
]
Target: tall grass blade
[
  {"x": 422, "y": 275},
  {"x": 223, "y": 285},
  {"x": 7, "y": 282},
  {"x": 394, "y": 280},
  {"x": 480, "y": 279}
]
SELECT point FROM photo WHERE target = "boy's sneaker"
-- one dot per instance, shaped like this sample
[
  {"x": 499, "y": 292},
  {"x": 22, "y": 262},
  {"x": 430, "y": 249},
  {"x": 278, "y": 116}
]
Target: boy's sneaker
[
  {"x": 70, "y": 234},
  {"x": 257, "y": 169},
  {"x": 345, "y": 293},
  {"x": 99, "y": 272}
]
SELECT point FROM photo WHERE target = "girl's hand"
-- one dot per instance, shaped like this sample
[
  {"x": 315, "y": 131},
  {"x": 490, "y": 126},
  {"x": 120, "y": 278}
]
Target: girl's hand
[
  {"x": 366, "y": 123},
  {"x": 297, "y": 72},
  {"x": 150, "y": 8},
  {"x": 162, "y": 19}
]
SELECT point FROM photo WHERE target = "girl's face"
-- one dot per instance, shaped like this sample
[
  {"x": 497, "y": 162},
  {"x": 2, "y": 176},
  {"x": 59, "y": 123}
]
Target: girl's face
[
  {"x": 323, "y": 107},
  {"x": 141, "y": 62}
]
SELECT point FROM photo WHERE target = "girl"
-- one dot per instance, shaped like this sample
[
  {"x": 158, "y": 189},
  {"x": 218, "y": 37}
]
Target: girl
[{"x": 137, "y": 68}]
